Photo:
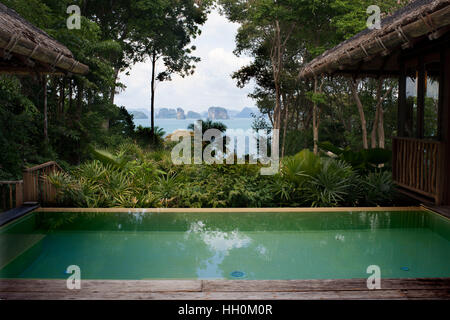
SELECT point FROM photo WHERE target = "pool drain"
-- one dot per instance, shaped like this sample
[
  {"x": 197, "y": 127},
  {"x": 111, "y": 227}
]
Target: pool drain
[{"x": 237, "y": 274}]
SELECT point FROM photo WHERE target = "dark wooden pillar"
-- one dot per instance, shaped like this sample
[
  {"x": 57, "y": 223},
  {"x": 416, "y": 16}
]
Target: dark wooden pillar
[
  {"x": 420, "y": 99},
  {"x": 445, "y": 123}
]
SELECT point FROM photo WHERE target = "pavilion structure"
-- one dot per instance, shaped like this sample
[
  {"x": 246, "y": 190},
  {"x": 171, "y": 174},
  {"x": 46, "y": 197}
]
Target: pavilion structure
[{"x": 412, "y": 45}]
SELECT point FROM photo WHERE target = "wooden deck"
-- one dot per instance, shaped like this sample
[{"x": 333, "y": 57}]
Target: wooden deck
[
  {"x": 398, "y": 289},
  {"x": 16, "y": 213}
]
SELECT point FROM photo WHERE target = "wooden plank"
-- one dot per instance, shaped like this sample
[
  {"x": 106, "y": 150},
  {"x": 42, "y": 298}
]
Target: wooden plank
[
  {"x": 321, "y": 285},
  {"x": 92, "y": 286},
  {"x": 325, "y": 295},
  {"x": 226, "y": 289},
  {"x": 304, "y": 295},
  {"x": 42, "y": 166}
]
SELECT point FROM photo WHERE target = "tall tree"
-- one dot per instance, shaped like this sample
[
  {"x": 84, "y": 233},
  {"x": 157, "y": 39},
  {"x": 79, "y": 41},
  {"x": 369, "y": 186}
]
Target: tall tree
[{"x": 167, "y": 37}]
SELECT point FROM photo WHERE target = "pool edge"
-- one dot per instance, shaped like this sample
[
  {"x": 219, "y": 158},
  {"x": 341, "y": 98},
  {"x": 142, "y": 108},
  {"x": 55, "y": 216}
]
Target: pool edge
[{"x": 228, "y": 210}]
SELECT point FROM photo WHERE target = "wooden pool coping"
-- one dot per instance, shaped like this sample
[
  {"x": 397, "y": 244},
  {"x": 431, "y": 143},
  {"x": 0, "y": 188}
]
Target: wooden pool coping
[
  {"x": 340, "y": 289},
  {"x": 228, "y": 210}
]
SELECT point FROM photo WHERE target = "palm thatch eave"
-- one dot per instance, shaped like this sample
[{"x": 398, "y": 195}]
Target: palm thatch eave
[
  {"x": 370, "y": 50},
  {"x": 26, "y": 48}
]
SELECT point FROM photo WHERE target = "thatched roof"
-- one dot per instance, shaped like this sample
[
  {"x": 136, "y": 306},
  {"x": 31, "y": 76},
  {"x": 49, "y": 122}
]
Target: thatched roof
[
  {"x": 25, "y": 48},
  {"x": 375, "y": 52}
]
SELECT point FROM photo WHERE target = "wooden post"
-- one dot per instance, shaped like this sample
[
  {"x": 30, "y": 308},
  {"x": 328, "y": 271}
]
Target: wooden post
[
  {"x": 29, "y": 187},
  {"x": 394, "y": 159},
  {"x": 19, "y": 194},
  {"x": 445, "y": 125},
  {"x": 420, "y": 99},
  {"x": 11, "y": 201}
]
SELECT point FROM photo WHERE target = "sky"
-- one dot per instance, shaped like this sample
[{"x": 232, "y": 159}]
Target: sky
[{"x": 211, "y": 85}]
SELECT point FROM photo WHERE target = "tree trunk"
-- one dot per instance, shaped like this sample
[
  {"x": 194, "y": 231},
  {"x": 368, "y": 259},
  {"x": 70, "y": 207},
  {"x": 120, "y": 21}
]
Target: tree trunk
[
  {"x": 285, "y": 125},
  {"x": 381, "y": 136},
  {"x": 316, "y": 117},
  {"x": 70, "y": 96},
  {"x": 152, "y": 107},
  {"x": 62, "y": 98},
  {"x": 315, "y": 127},
  {"x": 373, "y": 136},
  {"x": 354, "y": 87},
  {"x": 378, "y": 125},
  {"x": 113, "y": 89},
  {"x": 79, "y": 99}
]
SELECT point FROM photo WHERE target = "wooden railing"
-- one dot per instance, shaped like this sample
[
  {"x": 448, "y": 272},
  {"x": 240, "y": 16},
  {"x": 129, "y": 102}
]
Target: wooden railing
[
  {"x": 418, "y": 166},
  {"x": 11, "y": 194},
  {"x": 36, "y": 188}
]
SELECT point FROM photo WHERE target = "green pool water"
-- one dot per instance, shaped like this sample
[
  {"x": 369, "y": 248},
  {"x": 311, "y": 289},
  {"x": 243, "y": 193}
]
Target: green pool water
[{"x": 315, "y": 245}]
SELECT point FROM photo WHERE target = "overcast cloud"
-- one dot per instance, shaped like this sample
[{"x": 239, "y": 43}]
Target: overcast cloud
[{"x": 211, "y": 85}]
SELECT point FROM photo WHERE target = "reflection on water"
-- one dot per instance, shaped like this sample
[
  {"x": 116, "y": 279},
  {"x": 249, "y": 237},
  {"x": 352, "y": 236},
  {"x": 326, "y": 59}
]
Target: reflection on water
[{"x": 219, "y": 243}]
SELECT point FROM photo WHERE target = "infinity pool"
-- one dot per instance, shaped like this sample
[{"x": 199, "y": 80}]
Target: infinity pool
[{"x": 300, "y": 245}]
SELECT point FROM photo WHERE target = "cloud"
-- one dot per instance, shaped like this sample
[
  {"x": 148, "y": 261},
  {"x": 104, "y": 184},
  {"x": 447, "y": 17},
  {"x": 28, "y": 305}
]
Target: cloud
[{"x": 211, "y": 85}]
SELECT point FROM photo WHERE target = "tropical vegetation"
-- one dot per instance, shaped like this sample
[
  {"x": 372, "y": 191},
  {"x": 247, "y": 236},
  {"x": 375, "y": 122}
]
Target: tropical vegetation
[
  {"x": 335, "y": 133},
  {"x": 132, "y": 177}
]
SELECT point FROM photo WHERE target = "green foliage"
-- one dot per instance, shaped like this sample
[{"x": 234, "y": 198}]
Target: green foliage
[
  {"x": 379, "y": 188},
  {"x": 132, "y": 177},
  {"x": 301, "y": 167},
  {"x": 363, "y": 160},
  {"x": 209, "y": 124},
  {"x": 144, "y": 137},
  {"x": 333, "y": 185}
]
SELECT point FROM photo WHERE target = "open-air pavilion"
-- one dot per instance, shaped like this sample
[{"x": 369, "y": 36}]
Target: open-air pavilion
[{"x": 413, "y": 46}]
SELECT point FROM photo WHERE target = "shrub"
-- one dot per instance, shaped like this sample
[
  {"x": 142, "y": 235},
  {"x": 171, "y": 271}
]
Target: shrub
[
  {"x": 379, "y": 188},
  {"x": 301, "y": 167},
  {"x": 333, "y": 185}
]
